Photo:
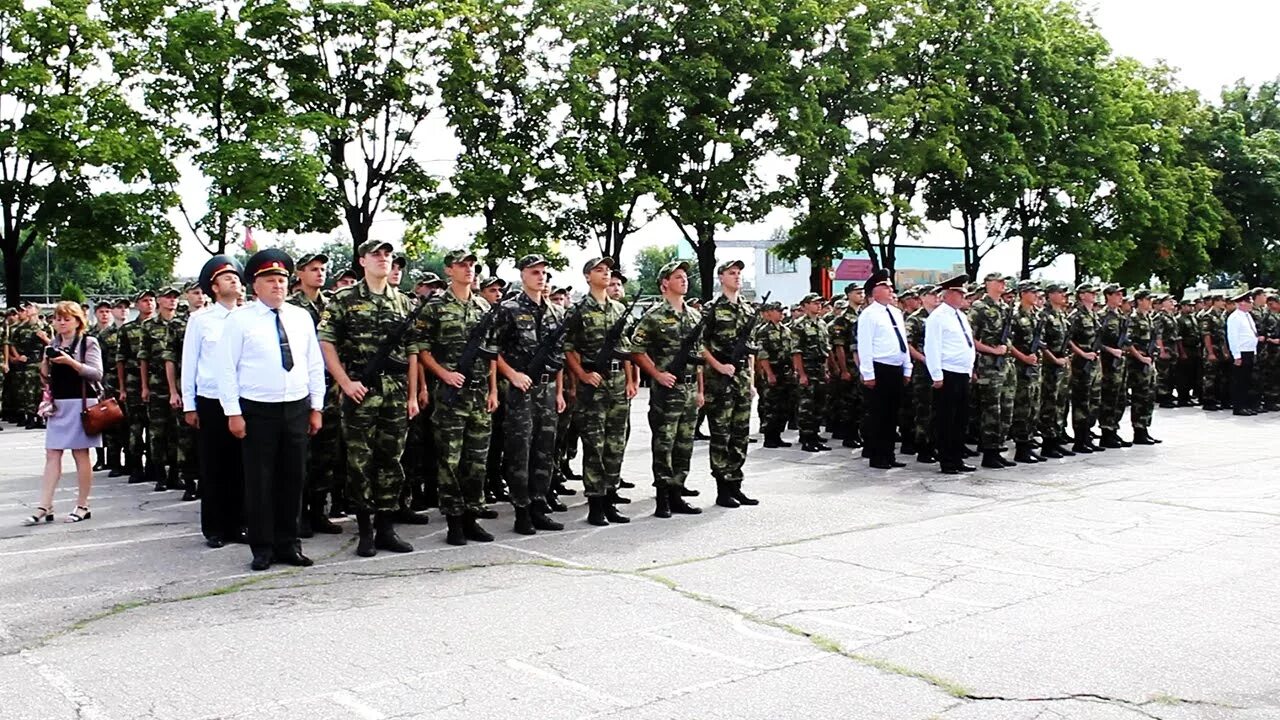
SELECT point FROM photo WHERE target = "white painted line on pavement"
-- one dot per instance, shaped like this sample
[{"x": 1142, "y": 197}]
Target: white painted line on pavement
[
  {"x": 90, "y": 546},
  {"x": 349, "y": 701},
  {"x": 740, "y": 624},
  {"x": 86, "y": 707},
  {"x": 699, "y": 650},
  {"x": 544, "y": 556},
  {"x": 565, "y": 682}
]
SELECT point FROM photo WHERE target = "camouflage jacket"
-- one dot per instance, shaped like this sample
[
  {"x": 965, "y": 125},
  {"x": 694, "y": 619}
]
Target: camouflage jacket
[
  {"x": 987, "y": 318},
  {"x": 810, "y": 342},
  {"x": 314, "y": 308},
  {"x": 1055, "y": 332},
  {"x": 1023, "y": 332},
  {"x": 154, "y": 339},
  {"x": 725, "y": 321},
  {"x": 130, "y": 345},
  {"x": 1142, "y": 335},
  {"x": 519, "y": 328},
  {"x": 1189, "y": 333},
  {"x": 1112, "y": 326},
  {"x": 444, "y": 327},
  {"x": 587, "y": 335},
  {"x": 775, "y": 346},
  {"x": 1083, "y": 328},
  {"x": 172, "y": 351},
  {"x": 660, "y": 333},
  {"x": 1214, "y": 324},
  {"x": 357, "y": 320},
  {"x": 844, "y": 333},
  {"x": 915, "y": 329},
  {"x": 1169, "y": 332}
]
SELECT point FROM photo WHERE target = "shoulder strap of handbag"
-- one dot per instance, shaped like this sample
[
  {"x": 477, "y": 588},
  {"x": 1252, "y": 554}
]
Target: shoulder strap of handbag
[{"x": 84, "y": 384}]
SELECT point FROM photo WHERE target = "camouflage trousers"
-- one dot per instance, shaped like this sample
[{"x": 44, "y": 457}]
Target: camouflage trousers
[
  {"x": 1167, "y": 378},
  {"x": 673, "y": 412},
  {"x": 1086, "y": 396},
  {"x": 993, "y": 401},
  {"x": 323, "y": 447},
  {"x": 1055, "y": 394},
  {"x": 462, "y": 435},
  {"x": 775, "y": 403},
  {"x": 374, "y": 433},
  {"x": 1188, "y": 380},
  {"x": 568, "y": 432},
  {"x": 602, "y": 414},
  {"x": 135, "y": 412},
  {"x": 922, "y": 426},
  {"x": 1115, "y": 393},
  {"x": 1268, "y": 380},
  {"x": 497, "y": 422},
  {"x": 162, "y": 431},
  {"x": 530, "y": 437},
  {"x": 728, "y": 406},
  {"x": 1143, "y": 381},
  {"x": 28, "y": 389},
  {"x": 809, "y": 401},
  {"x": 1214, "y": 385},
  {"x": 1026, "y": 402},
  {"x": 848, "y": 402}
]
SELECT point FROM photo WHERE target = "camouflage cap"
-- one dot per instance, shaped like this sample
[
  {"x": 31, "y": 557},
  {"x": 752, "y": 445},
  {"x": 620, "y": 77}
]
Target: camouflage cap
[
  {"x": 460, "y": 255},
  {"x": 1273, "y": 297},
  {"x": 616, "y": 273},
  {"x": 369, "y": 246},
  {"x": 191, "y": 285},
  {"x": 1010, "y": 280},
  {"x": 728, "y": 264},
  {"x": 1143, "y": 294},
  {"x": 169, "y": 291},
  {"x": 811, "y": 298},
  {"x": 1186, "y": 302},
  {"x": 993, "y": 277},
  {"x": 143, "y": 293},
  {"x": 1112, "y": 289},
  {"x": 559, "y": 291},
  {"x": 1086, "y": 287},
  {"x": 909, "y": 294},
  {"x": 852, "y": 288},
  {"x": 347, "y": 273},
  {"x": 596, "y": 262},
  {"x": 926, "y": 289},
  {"x": 492, "y": 281},
  {"x": 429, "y": 279},
  {"x": 103, "y": 303},
  {"x": 1028, "y": 286},
  {"x": 532, "y": 260},
  {"x": 308, "y": 258},
  {"x": 671, "y": 267},
  {"x": 772, "y": 305},
  {"x": 1056, "y": 287},
  {"x": 400, "y": 261}
]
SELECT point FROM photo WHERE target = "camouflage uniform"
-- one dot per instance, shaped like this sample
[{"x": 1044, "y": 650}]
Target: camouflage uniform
[
  {"x": 602, "y": 410},
  {"x": 921, "y": 425},
  {"x": 1114, "y": 392},
  {"x": 848, "y": 398},
  {"x": 324, "y": 448},
  {"x": 185, "y": 439},
  {"x": 809, "y": 342},
  {"x": 1142, "y": 378},
  {"x": 673, "y": 411},
  {"x": 108, "y": 340},
  {"x": 728, "y": 399},
  {"x": 162, "y": 448},
  {"x": 463, "y": 431},
  {"x": 1269, "y": 381},
  {"x": 993, "y": 392},
  {"x": 1166, "y": 326},
  {"x": 1083, "y": 328},
  {"x": 27, "y": 383},
  {"x": 131, "y": 341},
  {"x": 1055, "y": 380},
  {"x": 529, "y": 453},
  {"x": 1189, "y": 366},
  {"x": 355, "y": 322},
  {"x": 1214, "y": 388},
  {"x": 775, "y": 345},
  {"x": 1027, "y": 330}
]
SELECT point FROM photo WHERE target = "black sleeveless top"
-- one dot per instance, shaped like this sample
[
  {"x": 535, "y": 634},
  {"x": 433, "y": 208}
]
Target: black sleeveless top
[{"x": 64, "y": 381}]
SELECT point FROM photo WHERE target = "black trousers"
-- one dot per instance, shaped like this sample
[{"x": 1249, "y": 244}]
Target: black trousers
[
  {"x": 1242, "y": 397},
  {"x": 951, "y": 417},
  {"x": 882, "y": 412},
  {"x": 275, "y": 465},
  {"x": 221, "y": 473}
]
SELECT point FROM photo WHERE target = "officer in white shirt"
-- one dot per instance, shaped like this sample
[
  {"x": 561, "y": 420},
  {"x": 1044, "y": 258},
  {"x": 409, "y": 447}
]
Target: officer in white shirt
[
  {"x": 1242, "y": 343},
  {"x": 271, "y": 386},
  {"x": 221, "y": 470},
  {"x": 949, "y": 355},
  {"x": 885, "y": 367}
]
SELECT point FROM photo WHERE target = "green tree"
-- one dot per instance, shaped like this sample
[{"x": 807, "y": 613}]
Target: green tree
[
  {"x": 649, "y": 260},
  {"x": 80, "y": 167},
  {"x": 71, "y": 291}
]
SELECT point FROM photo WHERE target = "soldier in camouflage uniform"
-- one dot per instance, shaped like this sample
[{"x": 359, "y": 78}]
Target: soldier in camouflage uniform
[
  {"x": 1213, "y": 335},
  {"x": 30, "y": 343},
  {"x": 809, "y": 353},
  {"x": 491, "y": 291},
  {"x": 117, "y": 438},
  {"x": 1141, "y": 373},
  {"x": 323, "y": 447},
  {"x": 774, "y": 374},
  {"x": 1115, "y": 339},
  {"x": 162, "y": 422},
  {"x": 921, "y": 391},
  {"x": 375, "y": 411},
  {"x": 129, "y": 381},
  {"x": 1189, "y": 351},
  {"x": 669, "y": 328},
  {"x": 102, "y": 326},
  {"x": 421, "y": 462},
  {"x": 1269, "y": 383},
  {"x": 188, "y": 465},
  {"x": 603, "y": 392},
  {"x": 462, "y": 428},
  {"x": 1026, "y": 339},
  {"x": 1170, "y": 339},
  {"x": 6, "y": 378},
  {"x": 1055, "y": 374},
  {"x": 567, "y": 427},
  {"x": 526, "y": 325},
  {"x": 844, "y": 349},
  {"x": 1084, "y": 328},
  {"x": 728, "y": 384},
  {"x": 993, "y": 391}
]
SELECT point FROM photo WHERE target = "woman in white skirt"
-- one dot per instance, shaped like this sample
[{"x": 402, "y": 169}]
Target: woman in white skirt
[{"x": 71, "y": 360}]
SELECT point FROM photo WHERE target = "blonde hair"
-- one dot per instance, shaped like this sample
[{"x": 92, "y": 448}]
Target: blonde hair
[{"x": 69, "y": 309}]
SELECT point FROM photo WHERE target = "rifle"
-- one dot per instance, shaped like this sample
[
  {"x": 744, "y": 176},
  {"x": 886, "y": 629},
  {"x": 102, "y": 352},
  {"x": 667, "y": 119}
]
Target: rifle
[
  {"x": 551, "y": 343},
  {"x": 742, "y": 343},
  {"x": 470, "y": 353},
  {"x": 373, "y": 366},
  {"x": 681, "y": 361},
  {"x": 1037, "y": 342},
  {"x": 1121, "y": 342},
  {"x": 1151, "y": 350},
  {"x": 1096, "y": 347},
  {"x": 1004, "y": 338},
  {"x": 603, "y": 360}
]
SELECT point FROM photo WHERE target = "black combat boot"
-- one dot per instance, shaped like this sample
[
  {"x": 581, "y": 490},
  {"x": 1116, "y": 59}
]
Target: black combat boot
[
  {"x": 724, "y": 495},
  {"x": 473, "y": 529},
  {"x": 625, "y": 485},
  {"x": 616, "y": 499},
  {"x": 385, "y": 537},
  {"x": 405, "y": 516},
  {"x": 1050, "y": 450},
  {"x": 173, "y": 481},
  {"x": 304, "y": 522},
  {"x": 808, "y": 444},
  {"x": 991, "y": 459},
  {"x": 155, "y": 473},
  {"x": 926, "y": 455},
  {"x": 524, "y": 522},
  {"x": 909, "y": 447},
  {"x": 690, "y": 492},
  {"x": 663, "y": 498},
  {"x": 456, "y": 536},
  {"x": 1023, "y": 454},
  {"x": 115, "y": 464},
  {"x": 773, "y": 440},
  {"x": 677, "y": 504},
  {"x": 568, "y": 473},
  {"x": 851, "y": 441},
  {"x": 192, "y": 491},
  {"x": 100, "y": 459},
  {"x": 366, "y": 547},
  {"x": 1111, "y": 439},
  {"x": 553, "y": 502},
  {"x": 737, "y": 494},
  {"x": 538, "y": 514},
  {"x": 320, "y": 522},
  {"x": 136, "y": 474},
  {"x": 611, "y": 513},
  {"x": 1142, "y": 437},
  {"x": 595, "y": 511}
]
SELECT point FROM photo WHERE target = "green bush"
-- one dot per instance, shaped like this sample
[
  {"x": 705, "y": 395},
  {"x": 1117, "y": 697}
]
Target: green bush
[{"x": 72, "y": 292}]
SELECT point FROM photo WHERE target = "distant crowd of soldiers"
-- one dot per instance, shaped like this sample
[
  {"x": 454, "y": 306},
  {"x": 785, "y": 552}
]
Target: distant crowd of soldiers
[{"x": 465, "y": 392}]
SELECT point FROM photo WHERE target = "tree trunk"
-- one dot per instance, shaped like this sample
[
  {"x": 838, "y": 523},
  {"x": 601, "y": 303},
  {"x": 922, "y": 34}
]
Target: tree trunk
[
  {"x": 1024, "y": 272},
  {"x": 706, "y": 252},
  {"x": 816, "y": 266}
]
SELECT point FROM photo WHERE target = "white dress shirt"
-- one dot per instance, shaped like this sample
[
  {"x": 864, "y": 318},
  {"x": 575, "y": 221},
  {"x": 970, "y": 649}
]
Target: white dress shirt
[
  {"x": 200, "y": 354},
  {"x": 948, "y": 342},
  {"x": 1242, "y": 334},
  {"x": 878, "y": 342},
  {"x": 251, "y": 368}
]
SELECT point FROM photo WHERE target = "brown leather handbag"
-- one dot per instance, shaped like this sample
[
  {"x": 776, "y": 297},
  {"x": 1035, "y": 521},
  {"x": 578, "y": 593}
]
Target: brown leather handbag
[{"x": 101, "y": 417}]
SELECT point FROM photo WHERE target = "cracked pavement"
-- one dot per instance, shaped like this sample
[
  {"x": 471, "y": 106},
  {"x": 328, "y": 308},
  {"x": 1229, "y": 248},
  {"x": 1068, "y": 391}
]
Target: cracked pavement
[{"x": 1132, "y": 584}]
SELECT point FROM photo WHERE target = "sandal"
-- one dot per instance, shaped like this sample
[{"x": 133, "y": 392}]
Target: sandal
[
  {"x": 42, "y": 513},
  {"x": 76, "y": 515}
]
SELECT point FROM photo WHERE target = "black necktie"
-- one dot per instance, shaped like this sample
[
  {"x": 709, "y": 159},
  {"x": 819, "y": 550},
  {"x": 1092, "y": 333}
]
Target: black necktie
[
  {"x": 902, "y": 345},
  {"x": 962, "y": 330},
  {"x": 286, "y": 355}
]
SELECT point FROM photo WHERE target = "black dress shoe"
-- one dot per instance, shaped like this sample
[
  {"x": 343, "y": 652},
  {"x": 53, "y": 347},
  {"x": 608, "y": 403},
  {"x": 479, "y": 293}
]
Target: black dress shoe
[
  {"x": 927, "y": 458},
  {"x": 887, "y": 464},
  {"x": 294, "y": 558},
  {"x": 214, "y": 541},
  {"x": 261, "y": 561}
]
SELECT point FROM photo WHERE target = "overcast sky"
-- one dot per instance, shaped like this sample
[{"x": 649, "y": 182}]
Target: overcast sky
[{"x": 1212, "y": 43}]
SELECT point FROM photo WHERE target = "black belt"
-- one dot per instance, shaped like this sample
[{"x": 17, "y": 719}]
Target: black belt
[
  {"x": 688, "y": 378},
  {"x": 612, "y": 366},
  {"x": 542, "y": 379}
]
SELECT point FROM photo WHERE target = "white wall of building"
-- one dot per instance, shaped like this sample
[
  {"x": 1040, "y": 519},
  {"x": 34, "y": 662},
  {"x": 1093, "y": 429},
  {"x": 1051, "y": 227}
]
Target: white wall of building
[{"x": 788, "y": 281}]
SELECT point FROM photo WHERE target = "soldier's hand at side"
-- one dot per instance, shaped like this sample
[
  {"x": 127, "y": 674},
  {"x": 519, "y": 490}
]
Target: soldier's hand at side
[
  {"x": 1062, "y": 361},
  {"x": 314, "y": 422},
  {"x": 413, "y": 408},
  {"x": 702, "y": 399},
  {"x": 124, "y": 395},
  {"x": 803, "y": 380},
  {"x": 1239, "y": 362},
  {"x": 1091, "y": 356},
  {"x": 632, "y": 390},
  {"x": 356, "y": 391},
  {"x": 522, "y": 381},
  {"x": 871, "y": 384},
  {"x": 146, "y": 394},
  {"x": 665, "y": 379},
  {"x": 193, "y": 420},
  {"x": 455, "y": 379},
  {"x": 175, "y": 401},
  {"x": 424, "y": 398},
  {"x": 491, "y": 401},
  {"x": 592, "y": 378},
  {"x": 937, "y": 385},
  {"x": 771, "y": 378},
  {"x": 235, "y": 424},
  {"x": 906, "y": 379},
  {"x": 560, "y": 403},
  {"x": 846, "y": 376}
]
